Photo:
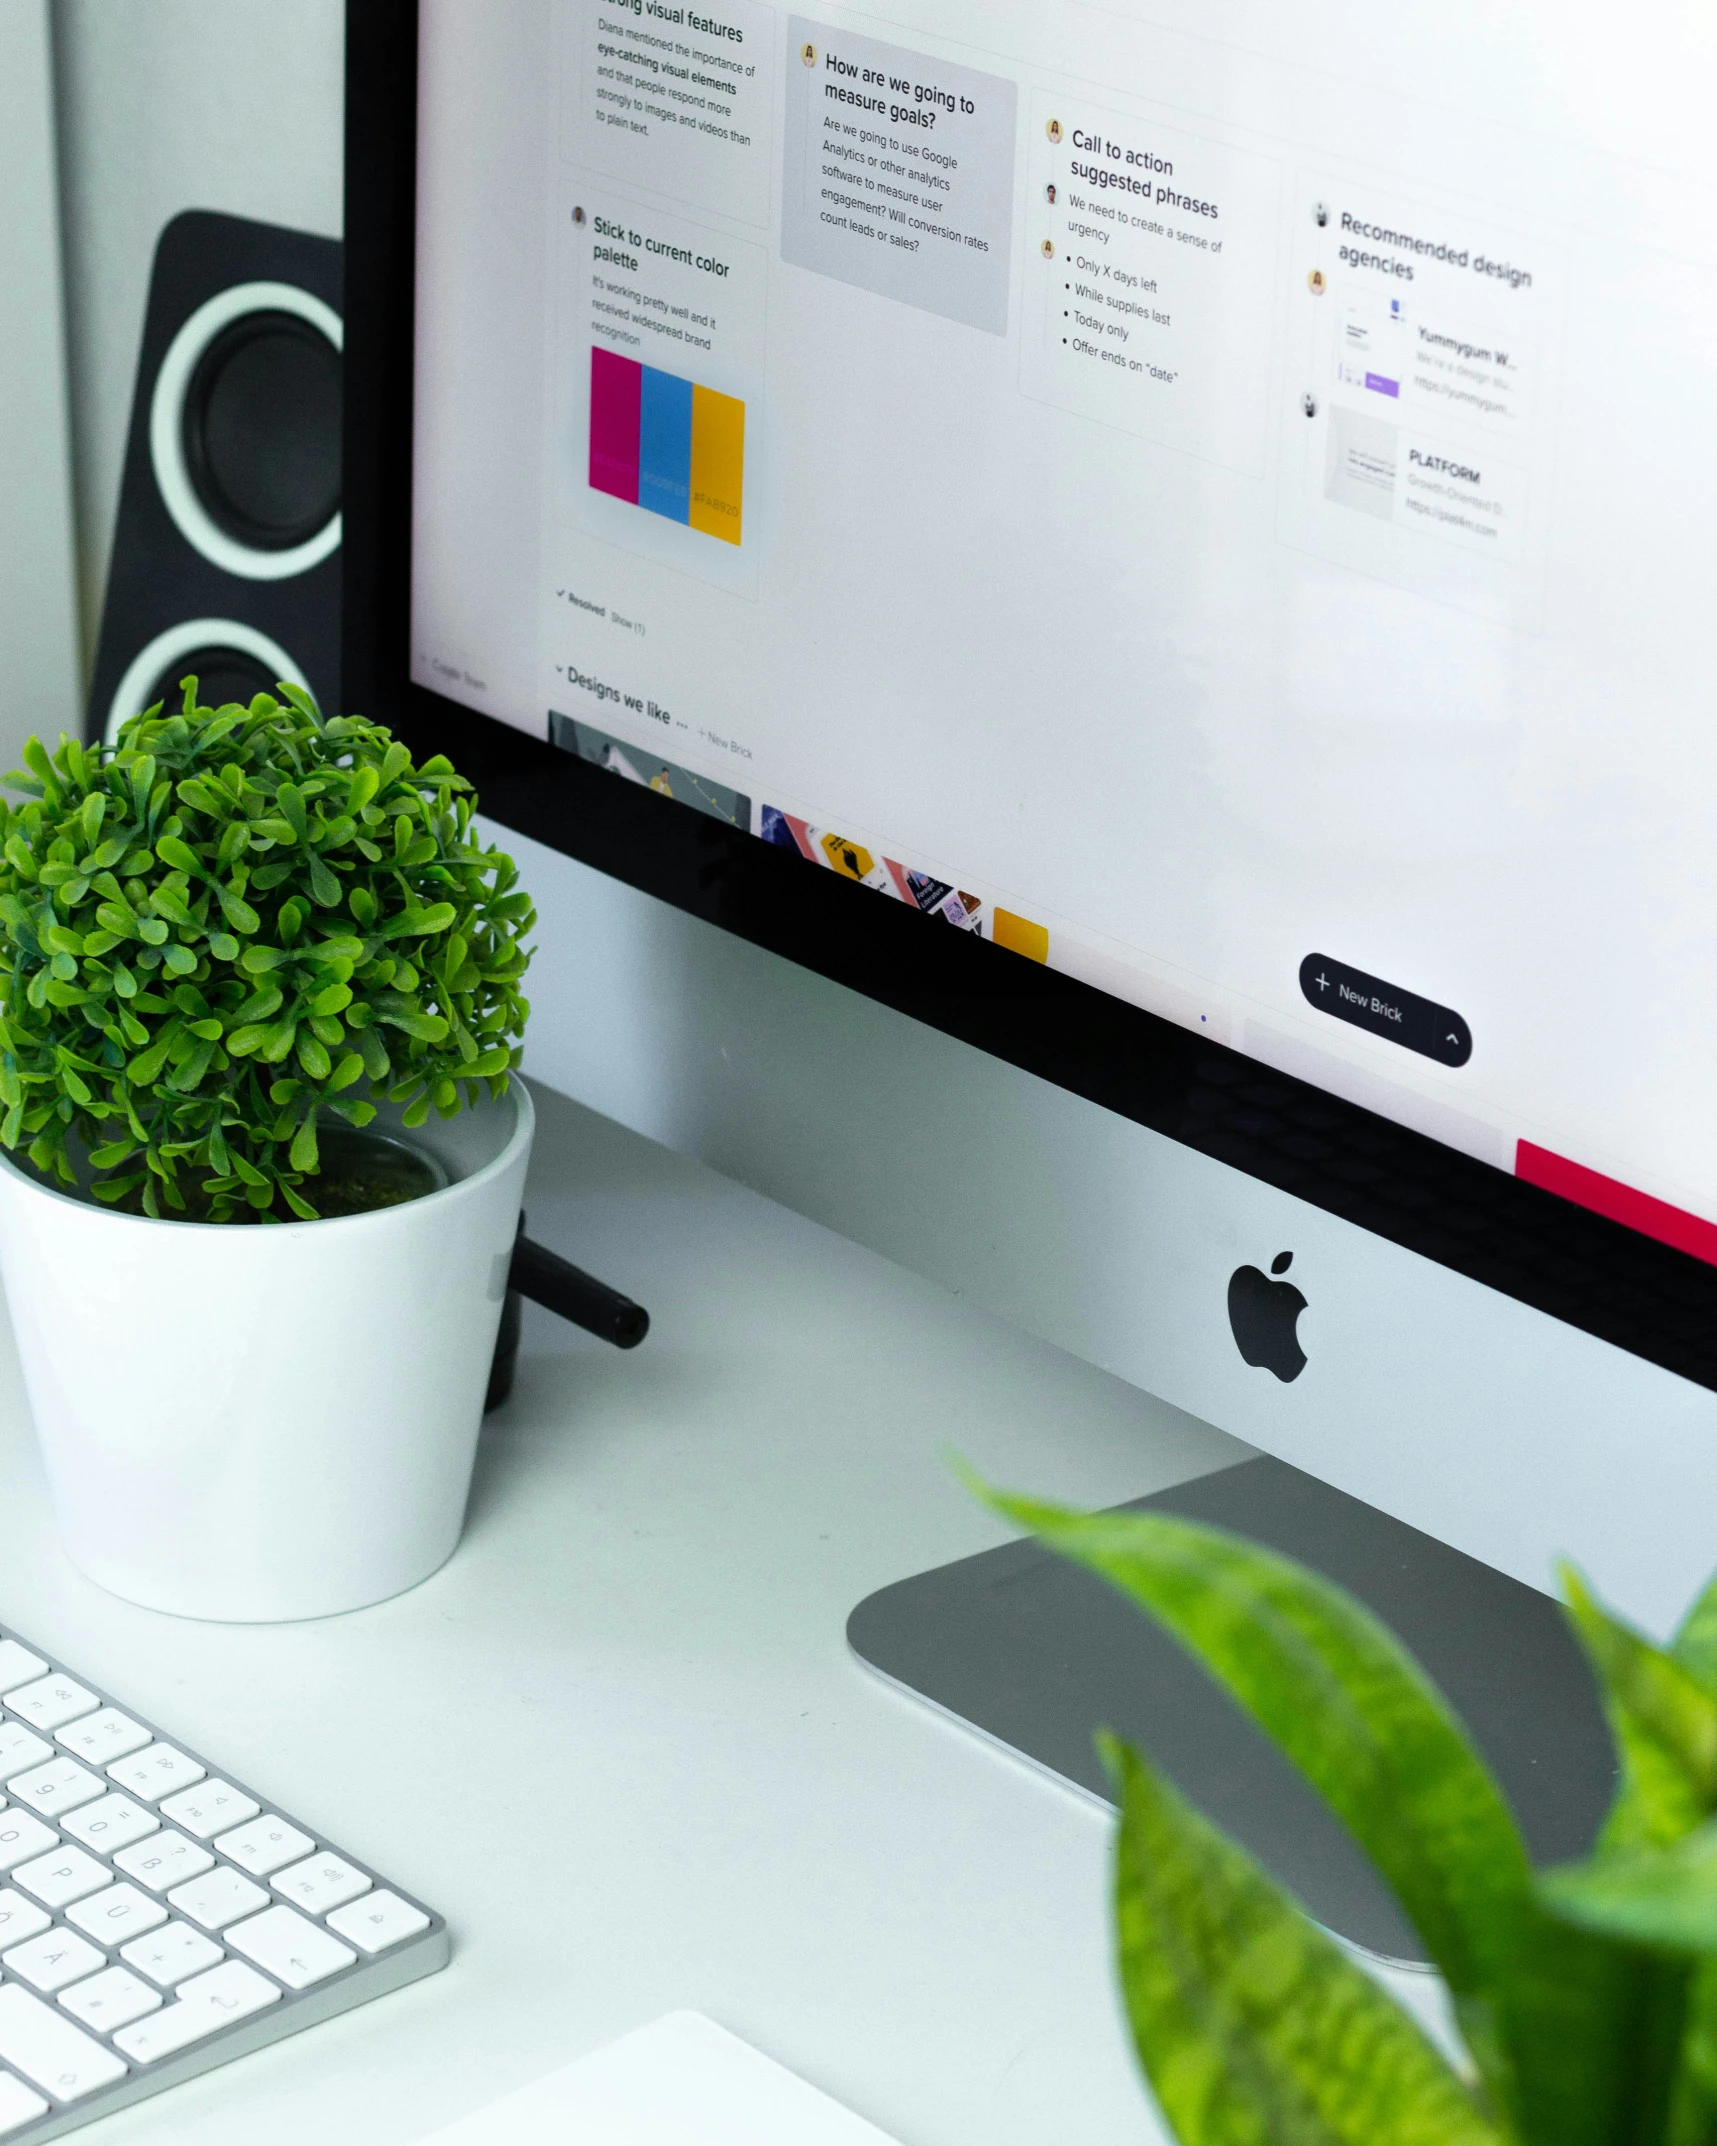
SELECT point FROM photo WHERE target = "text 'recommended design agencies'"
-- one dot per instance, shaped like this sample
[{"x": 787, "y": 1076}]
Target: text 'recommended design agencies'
[
  {"x": 1422, "y": 345},
  {"x": 898, "y": 173},
  {"x": 667, "y": 444}
]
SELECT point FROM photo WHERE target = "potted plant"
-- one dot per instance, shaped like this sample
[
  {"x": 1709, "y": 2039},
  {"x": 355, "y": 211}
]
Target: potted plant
[
  {"x": 1585, "y": 1996},
  {"x": 264, "y": 1154}
]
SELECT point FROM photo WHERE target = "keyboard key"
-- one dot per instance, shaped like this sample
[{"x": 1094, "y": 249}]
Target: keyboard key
[
  {"x": 18, "y": 1665},
  {"x": 155, "y": 1772},
  {"x": 58, "y": 1879},
  {"x": 19, "y": 1749},
  {"x": 52, "y": 1960},
  {"x": 114, "y": 1822},
  {"x": 19, "y": 1918},
  {"x": 294, "y": 1951},
  {"x": 22, "y": 1836},
  {"x": 205, "y": 2004},
  {"x": 111, "y": 1999},
  {"x": 55, "y": 1788},
  {"x": 51, "y": 1700},
  {"x": 51, "y": 2053},
  {"x": 221, "y": 1897},
  {"x": 172, "y": 1954},
  {"x": 320, "y": 1882},
  {"x": 264, "y": 1845},
  {"x": 378, "y": 1921},
  {"x": 19, "y": 2104},
  {"x": 121, "y": 1912},
  {"x": 210, "y": 1808},
  {"x": 166, "y": 1858},
  {"x": 104, "y": 1736}
]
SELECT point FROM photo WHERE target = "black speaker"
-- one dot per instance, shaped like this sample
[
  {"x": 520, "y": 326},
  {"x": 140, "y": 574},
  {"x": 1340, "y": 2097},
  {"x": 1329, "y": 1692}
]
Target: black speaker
[{"x": 226, "y": 550}]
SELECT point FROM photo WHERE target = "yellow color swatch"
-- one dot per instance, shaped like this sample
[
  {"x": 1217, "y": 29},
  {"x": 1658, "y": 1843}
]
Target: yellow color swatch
[
  {"x": 1020, "y": 935},
  {"x": 718, "y": 463}
]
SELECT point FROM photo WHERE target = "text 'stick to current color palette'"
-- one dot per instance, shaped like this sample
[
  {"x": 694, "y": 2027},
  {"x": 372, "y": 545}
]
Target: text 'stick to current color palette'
[{"x": 667, "y": 444}]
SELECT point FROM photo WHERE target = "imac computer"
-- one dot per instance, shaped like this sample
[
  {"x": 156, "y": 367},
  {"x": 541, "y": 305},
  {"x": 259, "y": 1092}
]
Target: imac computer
[{"x": 1163, "y": 550}]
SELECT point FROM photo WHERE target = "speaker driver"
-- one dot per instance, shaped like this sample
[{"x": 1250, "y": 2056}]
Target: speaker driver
[
  {"x": 244, "y": 430},
  {"x": 232, "y": 661},
  {"x": 261, "y": 430}
]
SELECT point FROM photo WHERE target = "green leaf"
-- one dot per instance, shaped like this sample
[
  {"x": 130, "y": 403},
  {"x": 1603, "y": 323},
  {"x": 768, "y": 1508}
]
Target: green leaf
[
  {"x": 1695, "y": 1645},
  {"x": 1594, "y": 2029},
  {"x": 294, "y": 1199},
  {"x": 426, "y": 1027},
  {"x": 313, "y": 1058},
  {"x": 224, "y": 947},
  {"x": 189, "y": 1076},
  {"x": 1251, "y": 2024},
  {"x": 110, "y": 1189},
  {"x": 1664, "y": 1723},
  {"x": 290, "y": 799},
  {"x": 146, "y": 1067},
  {"x": 376, "y": 1063},
  {"x": 323, "y": 884},
  {"x": 1665, "y": 1897},
  {"x": 266, "y": 999},
  {"x": 179, "y": 855},
  {"x": 1339, "y": 1695},
  {"x": 349, "y": 1069},
  {"x": 238, "y": 912},
  {"x": 151, "y": 929},
  {"x": 419, "y": 923},
  {"x": 304, "y": 1155}
]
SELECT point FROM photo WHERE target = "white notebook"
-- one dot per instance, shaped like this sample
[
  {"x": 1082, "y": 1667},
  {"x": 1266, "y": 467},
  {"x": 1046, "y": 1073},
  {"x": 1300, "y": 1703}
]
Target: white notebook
[{"x": 681, "y": 2081}]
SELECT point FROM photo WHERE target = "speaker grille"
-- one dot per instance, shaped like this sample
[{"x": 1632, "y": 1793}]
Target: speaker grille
[
  {"x": 222, "y": 675},
  {"x": 261, "y": 430}
]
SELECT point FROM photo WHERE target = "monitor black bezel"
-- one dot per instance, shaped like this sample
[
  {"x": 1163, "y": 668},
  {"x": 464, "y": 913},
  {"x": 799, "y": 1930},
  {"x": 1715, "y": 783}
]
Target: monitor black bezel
[{"x": 1542, "y": 1251}]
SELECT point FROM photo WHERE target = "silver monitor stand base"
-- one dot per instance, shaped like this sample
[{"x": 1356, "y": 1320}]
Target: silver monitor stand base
[{"x": 1038, "y": 1654}]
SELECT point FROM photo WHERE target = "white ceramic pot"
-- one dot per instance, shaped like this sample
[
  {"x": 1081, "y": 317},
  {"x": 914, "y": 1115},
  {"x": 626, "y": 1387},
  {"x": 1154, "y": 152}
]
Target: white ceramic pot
[{"x": 255, "y": 1424}]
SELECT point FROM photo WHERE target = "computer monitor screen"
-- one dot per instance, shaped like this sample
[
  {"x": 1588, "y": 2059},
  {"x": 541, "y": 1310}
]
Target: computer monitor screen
[
  {"x": 1210, "y": 514},
  {"x": 1206, "y": 505}
]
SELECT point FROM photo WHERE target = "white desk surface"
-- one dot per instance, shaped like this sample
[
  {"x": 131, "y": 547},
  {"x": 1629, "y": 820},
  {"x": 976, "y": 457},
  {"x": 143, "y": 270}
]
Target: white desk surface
[{"x": 620, "y": 1741}]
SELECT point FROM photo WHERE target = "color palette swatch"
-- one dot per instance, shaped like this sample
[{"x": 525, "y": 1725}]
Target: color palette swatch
[{"x": 667, "y": 444}]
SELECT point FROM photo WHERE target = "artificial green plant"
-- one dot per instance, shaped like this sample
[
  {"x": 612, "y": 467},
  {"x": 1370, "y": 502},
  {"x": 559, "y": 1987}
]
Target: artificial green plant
[
  {"x": 231, "y": 926},
  {"x": 1585, "y": 1995}
]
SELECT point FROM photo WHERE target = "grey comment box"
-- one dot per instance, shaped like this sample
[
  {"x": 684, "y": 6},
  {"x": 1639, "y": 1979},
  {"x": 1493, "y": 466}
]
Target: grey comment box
[{"x": 898, "y": 174}]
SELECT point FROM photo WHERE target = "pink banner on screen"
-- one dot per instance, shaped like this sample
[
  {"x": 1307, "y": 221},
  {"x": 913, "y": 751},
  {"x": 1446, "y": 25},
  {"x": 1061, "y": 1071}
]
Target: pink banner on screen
[
  {"x": 616, "y": 392},
  {"x": 1621, "y": 1203}
]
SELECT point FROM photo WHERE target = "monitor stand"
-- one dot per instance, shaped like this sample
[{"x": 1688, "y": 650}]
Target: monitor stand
[{"x": 1037, "y": 1654}]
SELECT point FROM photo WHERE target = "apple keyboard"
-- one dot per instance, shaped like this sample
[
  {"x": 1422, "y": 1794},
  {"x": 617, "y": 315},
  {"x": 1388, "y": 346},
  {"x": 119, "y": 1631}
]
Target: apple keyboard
[{"x": 156, "y": 1917}]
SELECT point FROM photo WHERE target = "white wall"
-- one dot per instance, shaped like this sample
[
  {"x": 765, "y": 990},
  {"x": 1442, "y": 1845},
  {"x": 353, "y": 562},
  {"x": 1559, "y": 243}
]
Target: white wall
[{"x": 39, "y": 678}]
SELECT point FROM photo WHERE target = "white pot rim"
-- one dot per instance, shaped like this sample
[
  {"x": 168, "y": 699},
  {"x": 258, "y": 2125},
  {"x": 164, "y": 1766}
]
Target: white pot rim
[{"x": 524, "y": 1119}]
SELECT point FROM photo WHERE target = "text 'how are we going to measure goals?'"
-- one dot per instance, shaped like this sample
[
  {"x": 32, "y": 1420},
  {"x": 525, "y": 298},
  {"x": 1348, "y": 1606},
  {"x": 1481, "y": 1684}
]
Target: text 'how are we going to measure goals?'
[{"x": 899, "y": 174}]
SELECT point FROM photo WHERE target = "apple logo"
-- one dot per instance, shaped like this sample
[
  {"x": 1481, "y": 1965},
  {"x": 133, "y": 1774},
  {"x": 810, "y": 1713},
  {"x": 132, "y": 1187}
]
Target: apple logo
[{"x": 1263, "y": 1314}]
